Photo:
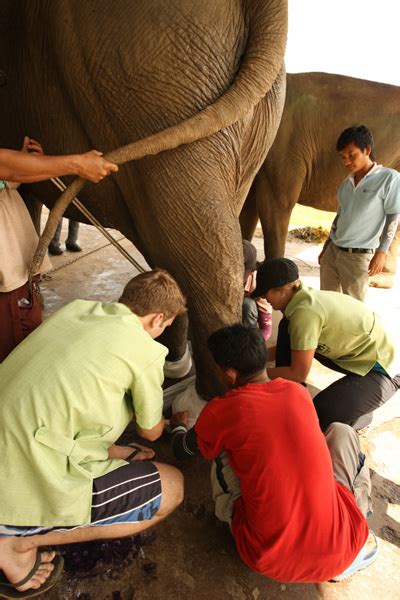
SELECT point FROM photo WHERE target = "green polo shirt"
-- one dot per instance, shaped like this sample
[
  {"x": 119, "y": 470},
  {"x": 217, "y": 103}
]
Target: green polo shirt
[
  {"x": 67, "y": 393},
  {"x": 341, "y": 328}
]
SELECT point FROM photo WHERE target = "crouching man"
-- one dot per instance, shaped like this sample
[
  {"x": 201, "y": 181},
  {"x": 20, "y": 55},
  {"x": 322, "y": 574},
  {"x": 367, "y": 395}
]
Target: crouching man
[
  {"x": 68, "y": 392},
  {"x": 294, "y": 498}
]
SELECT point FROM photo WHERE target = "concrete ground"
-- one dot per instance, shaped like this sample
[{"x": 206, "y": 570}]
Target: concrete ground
[{"x": 191, "y": 554}]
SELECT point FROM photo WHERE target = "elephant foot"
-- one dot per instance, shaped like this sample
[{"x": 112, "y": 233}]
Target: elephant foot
[
  {"x": 73, "y": 246},
  {"x": 55, "y": 249},
  {"x": 382, "y": 280},
  {"x": 175, "y": 369}
]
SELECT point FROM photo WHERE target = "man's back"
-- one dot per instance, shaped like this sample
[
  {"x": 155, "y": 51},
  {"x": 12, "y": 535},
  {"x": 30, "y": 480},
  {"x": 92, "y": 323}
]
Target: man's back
[
  {"x": 340, "y": 328},
  {"x": 293, "y": 522},
  {"x": 63, "y": 404}
]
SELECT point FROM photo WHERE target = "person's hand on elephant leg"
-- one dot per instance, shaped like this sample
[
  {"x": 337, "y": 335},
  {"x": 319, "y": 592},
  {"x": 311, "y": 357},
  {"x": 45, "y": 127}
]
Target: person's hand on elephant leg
[{"x": 377, "y": 263}]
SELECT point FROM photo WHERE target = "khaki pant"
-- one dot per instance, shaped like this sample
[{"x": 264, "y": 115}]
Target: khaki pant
[
  {"x": 345, "y": 272},
  {"x": 349, "y": 469}
]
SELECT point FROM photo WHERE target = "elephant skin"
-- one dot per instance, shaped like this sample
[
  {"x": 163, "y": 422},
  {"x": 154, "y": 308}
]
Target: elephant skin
[
  {"x": 193, "y": 91},
  {"x": 303, "y": 165}
]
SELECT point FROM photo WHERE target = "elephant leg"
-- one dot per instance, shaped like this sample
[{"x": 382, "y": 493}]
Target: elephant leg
[
  {"x": 71, "y": 242},
  {"x": 273, "y": 217},
  {"x": 57, "y": 234},
  {"x": 178, "y": 362},
  {"x": 55, "y": 246},
  {"x": 248, "y": 218},
  {"x": 274, "y": 205},
  {"x": 198, "y": 242}
]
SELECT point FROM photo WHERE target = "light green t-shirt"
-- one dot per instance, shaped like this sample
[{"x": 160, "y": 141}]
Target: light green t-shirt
[
  {"x": 341, "y": 328},
  {"x": 67, "y": 393}
]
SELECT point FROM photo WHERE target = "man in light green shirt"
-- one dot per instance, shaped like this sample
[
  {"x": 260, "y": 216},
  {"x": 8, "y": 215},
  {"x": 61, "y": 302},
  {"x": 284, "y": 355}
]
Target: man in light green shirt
[
  {"x": 337, "y": 330},
  {"x": 68, "y": 392}
]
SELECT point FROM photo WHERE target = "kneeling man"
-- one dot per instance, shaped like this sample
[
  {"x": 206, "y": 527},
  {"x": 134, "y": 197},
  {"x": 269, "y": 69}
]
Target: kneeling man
[
  {"x": 68, "y": 392},
  {"x": 294, "y": 498}
]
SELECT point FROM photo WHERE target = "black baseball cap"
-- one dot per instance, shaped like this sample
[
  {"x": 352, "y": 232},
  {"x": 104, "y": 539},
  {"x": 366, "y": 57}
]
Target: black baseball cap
[{"x": 274, "y": 273}]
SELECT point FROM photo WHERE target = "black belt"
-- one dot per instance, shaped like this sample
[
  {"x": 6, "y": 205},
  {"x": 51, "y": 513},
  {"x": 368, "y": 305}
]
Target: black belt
[{"x": 356, "y": 250}]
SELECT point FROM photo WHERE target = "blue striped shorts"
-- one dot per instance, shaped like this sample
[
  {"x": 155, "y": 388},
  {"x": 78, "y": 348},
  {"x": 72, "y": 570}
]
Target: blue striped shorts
[{"x": 129, "y": 494}]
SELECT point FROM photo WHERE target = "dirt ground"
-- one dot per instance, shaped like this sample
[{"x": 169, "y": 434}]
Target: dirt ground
[{"x": 191, "y": 553}]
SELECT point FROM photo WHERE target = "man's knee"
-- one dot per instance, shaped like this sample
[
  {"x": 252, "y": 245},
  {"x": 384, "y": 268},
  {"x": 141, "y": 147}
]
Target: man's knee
[
  {"x": 338, "y": 430},
  {"x": 172, "y": 487},
  {"x": 337, "y": 434}
]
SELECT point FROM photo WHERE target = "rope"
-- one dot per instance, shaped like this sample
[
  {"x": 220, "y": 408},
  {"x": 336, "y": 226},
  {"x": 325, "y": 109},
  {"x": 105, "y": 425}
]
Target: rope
[
  {"x": 79, "y": 257},
  {"x": 61, "y": 186}
]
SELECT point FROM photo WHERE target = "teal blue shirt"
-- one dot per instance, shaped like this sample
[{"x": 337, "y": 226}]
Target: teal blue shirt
[{"x": 363, "y": 209}]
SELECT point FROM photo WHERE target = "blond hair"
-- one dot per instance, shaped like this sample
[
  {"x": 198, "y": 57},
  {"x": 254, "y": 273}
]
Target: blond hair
[
  {"x": 154, "y": 292},
  {"x": 292, "y": 286}
]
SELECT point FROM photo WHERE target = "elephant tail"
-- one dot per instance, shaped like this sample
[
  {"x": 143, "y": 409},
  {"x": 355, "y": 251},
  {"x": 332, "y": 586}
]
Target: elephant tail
[{"x": 261, "y": 64}]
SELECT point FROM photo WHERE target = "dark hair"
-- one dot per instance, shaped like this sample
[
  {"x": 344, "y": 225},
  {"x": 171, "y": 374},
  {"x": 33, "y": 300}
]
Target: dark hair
[
  {"x": 154, "y": 292},
  {"x": 249, "y": 256},
  {"x": 239, "y": 347},
  {"x": 359, "y": 135}
]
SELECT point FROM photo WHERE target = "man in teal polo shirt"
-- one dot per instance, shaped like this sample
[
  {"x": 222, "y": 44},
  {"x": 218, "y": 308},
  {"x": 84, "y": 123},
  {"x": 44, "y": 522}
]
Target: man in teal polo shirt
[
  {"x": 337, "y": 330},
  {"x": 367, "y": 217},
  {"x": 63, "y": 406}
]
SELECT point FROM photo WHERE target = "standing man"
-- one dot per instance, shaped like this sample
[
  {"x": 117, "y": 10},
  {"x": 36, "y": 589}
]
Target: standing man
[
  {"x": 20, "y": 310},
  {"x": 366, "y": 221},
  {"x": 63, "y": 406}
]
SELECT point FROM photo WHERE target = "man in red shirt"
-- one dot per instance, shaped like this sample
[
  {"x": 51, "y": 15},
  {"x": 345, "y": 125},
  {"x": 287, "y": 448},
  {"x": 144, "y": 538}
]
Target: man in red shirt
[{"x": 287, "y": 490}]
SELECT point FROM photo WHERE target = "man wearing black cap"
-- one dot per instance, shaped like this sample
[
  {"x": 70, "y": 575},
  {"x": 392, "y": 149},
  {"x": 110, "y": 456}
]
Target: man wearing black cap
[{"x": 337, "y": 330}]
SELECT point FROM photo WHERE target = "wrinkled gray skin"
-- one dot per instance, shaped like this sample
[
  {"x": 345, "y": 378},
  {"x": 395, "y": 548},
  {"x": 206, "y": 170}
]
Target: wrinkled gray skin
[
  {"x": 103, "y": 74},
  {"x": 303, "y": 164}
]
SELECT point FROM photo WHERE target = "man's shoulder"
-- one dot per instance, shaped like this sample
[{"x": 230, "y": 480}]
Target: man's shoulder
[
  {"x": 105, "y": 319},
  {"x": 304, "y": 297},
  {"x": 216, "y": 405},
  {"x": 387, "y": 170},
  {"x": 382, "y": 173},
  {"x": 96, "y": 309}
]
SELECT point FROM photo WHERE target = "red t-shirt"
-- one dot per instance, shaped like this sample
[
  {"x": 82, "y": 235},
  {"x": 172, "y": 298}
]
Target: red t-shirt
[{"x": 293, "y": 521}]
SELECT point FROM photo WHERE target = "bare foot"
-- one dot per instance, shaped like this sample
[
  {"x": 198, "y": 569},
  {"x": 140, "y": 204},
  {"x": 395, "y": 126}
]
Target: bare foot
[
  {"x": 143, "y": 454},
  {"x": 125, "y": 452},
  {"x": 16, "y": 564}
]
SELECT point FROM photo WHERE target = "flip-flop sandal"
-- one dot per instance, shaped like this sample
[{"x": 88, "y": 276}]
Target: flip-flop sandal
[
  {"x": 136, "y": 451},
  {"x": 8, "y": 590}
]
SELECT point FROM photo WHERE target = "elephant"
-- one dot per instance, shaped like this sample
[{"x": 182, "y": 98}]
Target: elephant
[
  {"x": 303, "y": 164},
  {"x": 194, "y": 92}
]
